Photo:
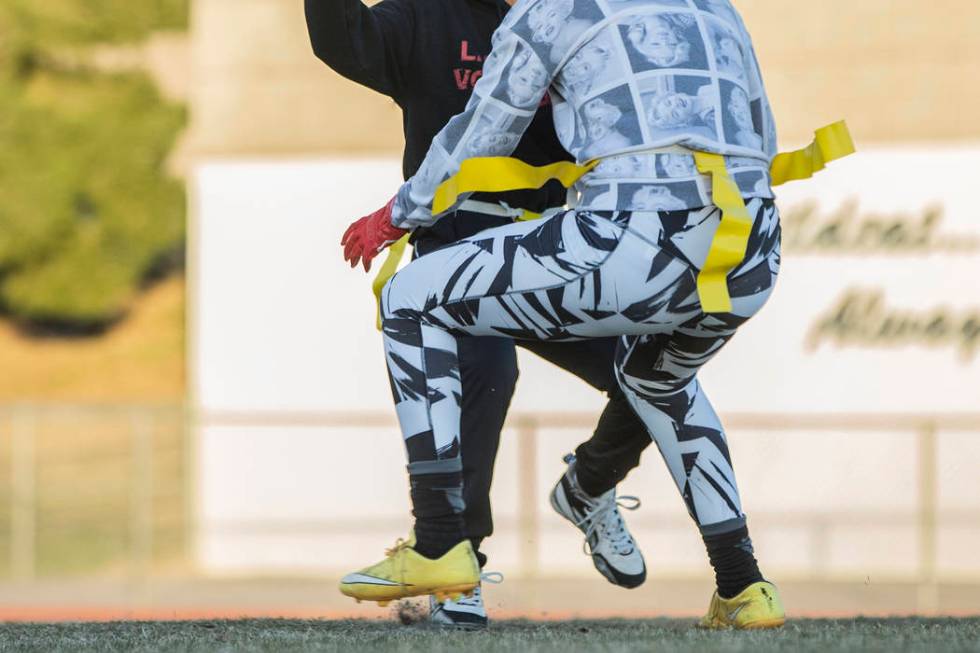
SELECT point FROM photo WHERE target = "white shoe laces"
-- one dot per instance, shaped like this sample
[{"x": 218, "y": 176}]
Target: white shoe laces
[
  {"x": 605, "y": 521},
  {"x": 475, "y": 600}
]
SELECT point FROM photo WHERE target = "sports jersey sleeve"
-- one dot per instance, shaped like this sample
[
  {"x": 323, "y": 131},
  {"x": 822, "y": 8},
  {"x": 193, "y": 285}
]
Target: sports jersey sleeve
[
  {"x": 368, "y": 45},
  {"x": 757, "y": 89},
  {"x": 504, "y": 102}
]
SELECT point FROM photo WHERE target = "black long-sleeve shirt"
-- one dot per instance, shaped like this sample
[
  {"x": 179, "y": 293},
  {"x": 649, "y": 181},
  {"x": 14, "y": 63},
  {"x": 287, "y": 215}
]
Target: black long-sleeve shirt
[{"x": 427, "y": 55}]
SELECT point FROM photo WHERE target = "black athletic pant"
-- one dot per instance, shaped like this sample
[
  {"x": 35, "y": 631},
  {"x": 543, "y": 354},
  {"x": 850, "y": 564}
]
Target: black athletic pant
[{"x": 489, "y": 372}]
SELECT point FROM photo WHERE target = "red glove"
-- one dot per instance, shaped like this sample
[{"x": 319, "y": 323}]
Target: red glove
[{"x": 369, "y": 236}]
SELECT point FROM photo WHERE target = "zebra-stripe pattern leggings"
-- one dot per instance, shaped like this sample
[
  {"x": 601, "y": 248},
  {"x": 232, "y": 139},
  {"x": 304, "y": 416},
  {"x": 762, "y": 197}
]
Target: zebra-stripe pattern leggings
[{"x": 583, "y": 275}]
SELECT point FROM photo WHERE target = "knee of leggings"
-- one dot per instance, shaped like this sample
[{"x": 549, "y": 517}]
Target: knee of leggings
[
  {"x": 490, "y": 363},
  {"x": 508, "y": 377},
  {"x": 615, "y": 392},
  {"x": 508, "y": 372},
  {"x": 657, "y": 385},
  {"x": 501, "y": 381}
]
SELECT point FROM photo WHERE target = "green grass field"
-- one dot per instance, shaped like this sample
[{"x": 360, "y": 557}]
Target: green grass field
[{"x": 610, "y": 636}]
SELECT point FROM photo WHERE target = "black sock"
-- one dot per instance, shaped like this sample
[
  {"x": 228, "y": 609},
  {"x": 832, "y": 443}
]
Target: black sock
[
  {"x": 438, "y": 504},
  {"x": 734, "y": 562},
  {"x": 481, "y": 558},
  {"x": 592, "y": 485}
]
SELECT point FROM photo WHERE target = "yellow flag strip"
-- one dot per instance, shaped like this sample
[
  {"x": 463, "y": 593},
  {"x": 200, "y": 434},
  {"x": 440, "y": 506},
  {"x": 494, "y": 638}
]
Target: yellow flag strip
[
  {"x": 499, "y": 174},
  {"x": 387, "y": 271},
  {"x": 831, "y": 143},
  {"x": 502, "y": 174},
  {"x": 731, "y": 239}
]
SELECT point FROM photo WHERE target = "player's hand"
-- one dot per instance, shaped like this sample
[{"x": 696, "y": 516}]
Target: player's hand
[{"x": 369, "y": 236}]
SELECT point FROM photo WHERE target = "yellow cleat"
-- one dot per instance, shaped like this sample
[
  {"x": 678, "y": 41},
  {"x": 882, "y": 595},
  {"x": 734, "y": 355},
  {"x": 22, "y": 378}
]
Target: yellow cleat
[
  {"x": 757, "y": 607},
  {"x": 404, "y": 573}
]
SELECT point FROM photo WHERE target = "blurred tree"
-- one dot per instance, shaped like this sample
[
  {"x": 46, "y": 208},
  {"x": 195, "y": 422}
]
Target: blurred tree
[{"x": 87, "y": 210}]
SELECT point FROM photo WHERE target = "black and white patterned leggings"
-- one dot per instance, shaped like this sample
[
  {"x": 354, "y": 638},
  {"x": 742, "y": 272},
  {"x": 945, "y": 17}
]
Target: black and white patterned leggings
[{"x": 583, "y": 275}]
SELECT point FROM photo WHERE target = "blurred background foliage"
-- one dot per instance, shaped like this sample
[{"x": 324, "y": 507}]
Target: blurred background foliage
[{"x": 88, "y": 212}]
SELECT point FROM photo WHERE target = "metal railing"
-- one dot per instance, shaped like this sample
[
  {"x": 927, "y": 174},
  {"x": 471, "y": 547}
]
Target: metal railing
[
  {"x": 926, "y": 517},
  {"x": 926, "y": 429},
  {"x": 33, "y": 435},
  {"x": 93, "y": 476}
]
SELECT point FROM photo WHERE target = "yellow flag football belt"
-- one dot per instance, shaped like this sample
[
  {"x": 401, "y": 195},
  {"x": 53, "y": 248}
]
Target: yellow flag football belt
[{"x": 501, "y": 174}]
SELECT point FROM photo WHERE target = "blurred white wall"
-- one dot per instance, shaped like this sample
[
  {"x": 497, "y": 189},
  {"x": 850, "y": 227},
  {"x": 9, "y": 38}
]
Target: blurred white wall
[
  {"x": 900, "y": 71},
  {"x": 281, "y": 328}
]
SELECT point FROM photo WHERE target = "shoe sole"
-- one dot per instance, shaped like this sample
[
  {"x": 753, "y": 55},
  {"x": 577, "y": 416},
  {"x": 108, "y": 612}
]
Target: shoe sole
[
  {"x": 765, "y": 625},
  {"x": 451, "y": 625},
  {"x": 441, "y": 617},
  {"x": 451, "y": 592},
  {"x": 769, "y": 624}
]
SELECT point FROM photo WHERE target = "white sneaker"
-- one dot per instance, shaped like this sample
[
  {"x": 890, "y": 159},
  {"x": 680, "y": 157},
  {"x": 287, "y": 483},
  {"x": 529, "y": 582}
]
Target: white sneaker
[
  {"x": 614, "y": 552},
  {"x": 468, "y": 613}
]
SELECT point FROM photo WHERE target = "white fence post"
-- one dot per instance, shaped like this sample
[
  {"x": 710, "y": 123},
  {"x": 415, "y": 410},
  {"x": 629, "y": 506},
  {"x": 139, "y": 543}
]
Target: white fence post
[
  {"x": 528, "y": 519},
  {"x": 23, "y": 513},
  {"x": 141, "y": 497},
  {"x": 192, "y": 428},
  {"x": 928, "y": 590}
]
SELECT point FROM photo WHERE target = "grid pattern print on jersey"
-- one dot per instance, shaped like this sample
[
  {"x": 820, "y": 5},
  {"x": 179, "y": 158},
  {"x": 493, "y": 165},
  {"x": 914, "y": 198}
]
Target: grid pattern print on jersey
[{"x": 636, "y": 84}]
